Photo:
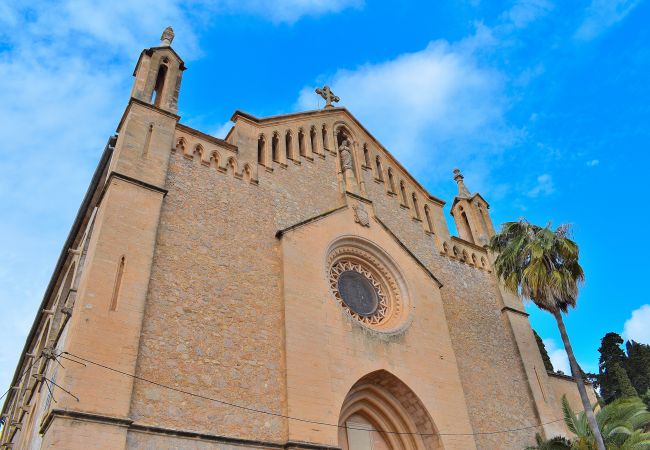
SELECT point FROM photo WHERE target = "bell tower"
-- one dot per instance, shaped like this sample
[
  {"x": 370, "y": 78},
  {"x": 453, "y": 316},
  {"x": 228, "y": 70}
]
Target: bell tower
[
  {"x": 120, "y": 250},
  {"x": 158, "y": 75},
  {"x": 470, "y": 212}
]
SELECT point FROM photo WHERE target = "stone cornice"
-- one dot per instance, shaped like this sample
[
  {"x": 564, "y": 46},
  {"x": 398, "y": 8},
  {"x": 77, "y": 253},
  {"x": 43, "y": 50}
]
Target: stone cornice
[
  {"x": 469, "y": 244},
  {"x": 333, "y": 111},
  {"x": 207, "y": 137},
  {"x": 136, "y": 427},
  {"x": 139, "y": 102}
]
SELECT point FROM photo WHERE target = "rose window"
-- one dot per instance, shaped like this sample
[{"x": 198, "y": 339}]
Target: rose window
[{"x": 367, "y": 286}]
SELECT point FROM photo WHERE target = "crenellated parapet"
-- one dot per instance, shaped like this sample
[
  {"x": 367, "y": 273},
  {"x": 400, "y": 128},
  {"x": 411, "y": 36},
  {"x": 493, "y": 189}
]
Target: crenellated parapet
[{"x": 466, "y": 252}]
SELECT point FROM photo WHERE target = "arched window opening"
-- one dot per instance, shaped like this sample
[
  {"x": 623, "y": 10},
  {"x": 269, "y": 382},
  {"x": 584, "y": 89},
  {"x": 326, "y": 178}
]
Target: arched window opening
[
  {"x": 198, "y": 150},
  {"x": 232, "y": 165},
  {"x": 214, "y": 159},
  {"x": 427, "y": 214},
  {"x": 391, "y": 181},
  {"x": 470, "y": 238},
  {"x": 403, "y": 192},
  {"x": 160, "y": 84},
  {"x": 482, "y": 216},
  {"x": 275, "y": 141},
  {"x": 301, "y": 143},
  {"x": 261, "y": 150},
  {"x": 380, "y": 171},
  {"x": 366, "y": 156},
  {"x": 118, "y": 283},
  {"x": 248, "y": 173},
  {"x": 416, "y": 208},
  {"x": 180, "y": 146},
  {"x": 324, "y": 133},
  {"x": 312, "y": 139},
  {"x": 288, "y": 140}
]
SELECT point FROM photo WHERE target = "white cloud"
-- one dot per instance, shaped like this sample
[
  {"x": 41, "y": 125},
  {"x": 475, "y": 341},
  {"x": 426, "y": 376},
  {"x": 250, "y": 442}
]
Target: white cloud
[
  {"x": 637, "y": 327},
  {"x": 593, "y": 162},
  {"x": 523, "y": 12},
  {"x": 602, "y": 14},
  {"x": 438, "y": 104},
  {"x": 558, "y": 356},
  {"x": 290, "y": 10},
  {"x": 544, "y": 186},
  {"x": 64, "y": 68}
]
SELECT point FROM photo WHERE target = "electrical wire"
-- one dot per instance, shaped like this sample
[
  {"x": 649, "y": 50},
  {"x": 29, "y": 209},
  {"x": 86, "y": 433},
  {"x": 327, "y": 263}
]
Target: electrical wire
[{"x": 298, "y": 419}]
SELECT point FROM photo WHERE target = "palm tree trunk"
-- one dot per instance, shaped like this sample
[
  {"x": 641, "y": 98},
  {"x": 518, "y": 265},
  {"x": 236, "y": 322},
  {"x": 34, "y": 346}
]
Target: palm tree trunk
[{"x": 577, "y": 374}]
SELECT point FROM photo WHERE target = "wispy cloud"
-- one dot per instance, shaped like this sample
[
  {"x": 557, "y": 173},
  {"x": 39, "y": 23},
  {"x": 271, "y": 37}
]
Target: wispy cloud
[
  {"x": 637, "y": 327},
  {"x": 602, "y": 14},
  {"x": 543, "y": 186},
  {"x": 63, "y": 66},
  {"x": 290, "y": 11},
  {"x": 440, "y": 103},
  {"x": 524, "y": 12}
]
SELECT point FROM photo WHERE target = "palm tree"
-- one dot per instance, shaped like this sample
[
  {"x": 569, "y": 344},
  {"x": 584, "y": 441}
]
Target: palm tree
[
  {"x": 555, "y": 443},
  {"x": 542, "y": 265},
  {"x": 621, "y": 423}
]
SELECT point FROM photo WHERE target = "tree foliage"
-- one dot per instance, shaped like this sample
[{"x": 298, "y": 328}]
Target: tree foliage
[
  {"x": 621, "y": 424},
  {"x": 620, "y": 374},
  {"x": 542, "y": 265},
  {"x": 548, "y": 365}
]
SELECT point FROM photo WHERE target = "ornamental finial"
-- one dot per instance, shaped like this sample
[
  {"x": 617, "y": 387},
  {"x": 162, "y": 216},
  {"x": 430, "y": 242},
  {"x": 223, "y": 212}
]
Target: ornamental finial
[
  {"x": 167, "y": 37},
  {"x": 462, "y": 189},
  {"x": 328, "y": 95}
]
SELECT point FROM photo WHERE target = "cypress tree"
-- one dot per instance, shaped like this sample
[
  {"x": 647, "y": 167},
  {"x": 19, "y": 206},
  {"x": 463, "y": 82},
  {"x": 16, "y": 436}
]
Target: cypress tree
[
  {"x": 612, "y": 377},
  {"x": 542, "y": 349},
  {"x": 638, "y": 365}
]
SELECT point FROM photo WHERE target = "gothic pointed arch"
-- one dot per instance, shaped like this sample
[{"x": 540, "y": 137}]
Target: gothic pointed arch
[{"x": 381, "y": 411}]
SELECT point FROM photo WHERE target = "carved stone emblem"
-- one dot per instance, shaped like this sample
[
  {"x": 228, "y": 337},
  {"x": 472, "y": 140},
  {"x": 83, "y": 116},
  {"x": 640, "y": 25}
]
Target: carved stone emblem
[{"x": 361, "y": 215}]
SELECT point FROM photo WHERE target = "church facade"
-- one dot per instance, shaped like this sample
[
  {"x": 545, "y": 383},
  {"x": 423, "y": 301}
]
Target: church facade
[{"x": 289, "y": 286}]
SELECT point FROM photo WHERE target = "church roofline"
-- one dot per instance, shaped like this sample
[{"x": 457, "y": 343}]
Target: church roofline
[
  {"x": 82, "y": 217},
  {"x": 208, "y": 137},
  {"x": 318, "y": 112}
]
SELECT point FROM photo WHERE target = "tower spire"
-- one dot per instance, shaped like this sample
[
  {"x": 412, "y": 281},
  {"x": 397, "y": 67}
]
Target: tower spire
[
  {"x": 167, "y": 37},
  {"x": 462, "y": 189}
]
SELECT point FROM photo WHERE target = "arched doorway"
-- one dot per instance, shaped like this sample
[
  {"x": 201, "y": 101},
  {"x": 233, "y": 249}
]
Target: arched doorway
[{"x": 382, "y": 413}]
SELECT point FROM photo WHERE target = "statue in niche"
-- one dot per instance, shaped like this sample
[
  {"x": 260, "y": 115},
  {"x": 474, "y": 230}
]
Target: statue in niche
[
  {"x": 346, "y": 155},
  {"x": 349, "y": 178}
]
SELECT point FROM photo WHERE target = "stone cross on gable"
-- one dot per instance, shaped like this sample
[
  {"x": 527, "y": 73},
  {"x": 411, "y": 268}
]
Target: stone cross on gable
[{"x": 328, "y": 95}]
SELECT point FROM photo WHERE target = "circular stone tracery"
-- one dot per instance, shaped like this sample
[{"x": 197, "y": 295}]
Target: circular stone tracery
[{"x": 366, "y": 289}]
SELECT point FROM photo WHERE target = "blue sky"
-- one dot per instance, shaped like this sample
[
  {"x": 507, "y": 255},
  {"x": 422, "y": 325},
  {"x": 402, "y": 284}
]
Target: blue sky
[{"x": 543, "y": 105}]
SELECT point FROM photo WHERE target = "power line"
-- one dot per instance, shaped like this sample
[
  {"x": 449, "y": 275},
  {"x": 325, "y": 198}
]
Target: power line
[
  {"x": 298, "y": 419},
  {"x": 20, "y": 377}
]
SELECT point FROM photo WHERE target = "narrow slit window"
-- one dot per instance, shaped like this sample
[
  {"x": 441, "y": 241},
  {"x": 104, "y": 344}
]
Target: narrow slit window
[
  {"x": 312, "y": 138},
  {"x": 416, "y": 208},
  {"x": 118, "y": 283},
  {"x": 380, "y": 174},
  {"x": 289, "y": 143},
  {"x": 261, "y": 150},
  {"x": 274, "y": 148},
  {"x": 427, "y": 213}
]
